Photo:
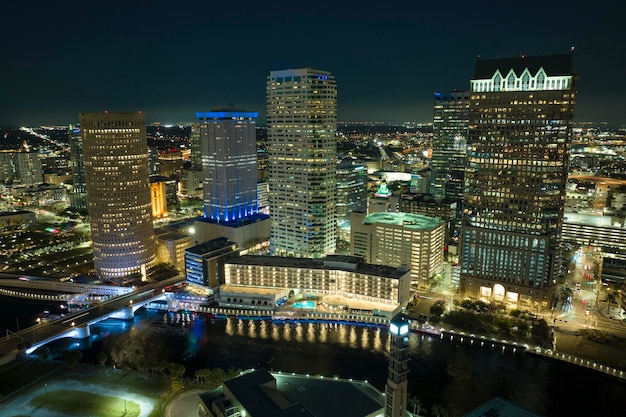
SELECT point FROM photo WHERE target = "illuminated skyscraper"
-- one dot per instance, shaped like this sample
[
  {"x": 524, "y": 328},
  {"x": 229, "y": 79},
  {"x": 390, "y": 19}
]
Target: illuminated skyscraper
[
  {"x": 450, "y": 120},
  {"x": 351, "y": 188},
  {"x": 228, "y": 144},
  {"x": 301, "y": 125},
  {"x": 229, "y": 179},
  {"x": 520, "y": 125},
  {"x": 78, "y": 198},
  {"x": 115, "y": 155}
]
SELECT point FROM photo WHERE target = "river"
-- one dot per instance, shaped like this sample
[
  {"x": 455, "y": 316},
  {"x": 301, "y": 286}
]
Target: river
[{"x": 441, "y": 372}]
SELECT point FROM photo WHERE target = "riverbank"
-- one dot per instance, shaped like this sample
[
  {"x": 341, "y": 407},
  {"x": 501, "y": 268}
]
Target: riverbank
[{"x": 582, "y": 345}]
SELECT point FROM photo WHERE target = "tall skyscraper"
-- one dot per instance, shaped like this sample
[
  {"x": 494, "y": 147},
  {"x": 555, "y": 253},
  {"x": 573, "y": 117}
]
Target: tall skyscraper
[
  {"x": 228, "y": 144},
  {"x": 520, "y": 126},
  {"x": 78, "y": 199},
  {"x": 301, "y": 125},
  {"x": 115, "y": 155},
  {"x": 451, "y": 116},
  {"x": 227, "y": 141},
  {"x": 351, "y": 188}
]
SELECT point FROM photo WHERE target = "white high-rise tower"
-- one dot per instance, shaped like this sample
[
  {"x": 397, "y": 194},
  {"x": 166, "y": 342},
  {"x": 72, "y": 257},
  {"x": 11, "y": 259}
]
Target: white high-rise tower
[{"x": 301, "y": 125}]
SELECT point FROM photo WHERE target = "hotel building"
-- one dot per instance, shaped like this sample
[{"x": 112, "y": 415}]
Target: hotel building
[
  {"x": 346, "y": 276},
  {"x": 115, "y": 156},
  {"x": 397, "y": 239},
  {"x": 520, "y": 125},
  {"x": 301, "y": 125}
]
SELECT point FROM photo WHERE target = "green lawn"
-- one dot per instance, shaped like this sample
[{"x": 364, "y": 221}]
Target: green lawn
[{"x": 81, "y": 403}]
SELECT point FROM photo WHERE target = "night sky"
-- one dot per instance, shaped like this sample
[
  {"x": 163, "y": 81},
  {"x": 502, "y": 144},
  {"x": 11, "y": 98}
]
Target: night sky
[{"x": 172, "y": 58}]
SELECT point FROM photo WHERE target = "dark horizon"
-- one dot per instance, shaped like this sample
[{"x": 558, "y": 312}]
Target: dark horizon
[{"x": 388, "y": 61}]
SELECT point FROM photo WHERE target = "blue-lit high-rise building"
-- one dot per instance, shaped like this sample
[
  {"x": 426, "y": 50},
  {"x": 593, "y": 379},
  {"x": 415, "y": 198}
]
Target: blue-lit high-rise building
[
  {"x": 229, "y": 178},
  {"x": 228, "y": 146}
]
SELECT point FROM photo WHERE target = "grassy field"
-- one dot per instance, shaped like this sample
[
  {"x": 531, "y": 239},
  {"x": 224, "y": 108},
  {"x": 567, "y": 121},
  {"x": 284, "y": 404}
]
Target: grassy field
[
  {"x": 20, "y": 378},
  {"x": 83, "y": 403}
]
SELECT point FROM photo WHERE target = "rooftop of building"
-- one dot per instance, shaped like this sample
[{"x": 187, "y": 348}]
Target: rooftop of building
[
  {"x": 553, "y": 65},
  {"x": 211, "y": 245},
  {"x": 244, "y": 221},
  {"x": 244, "y": 289},
  {"x": 164, "y": 234},
  {"x": 226, "y": 114},
  {"x": 593, "y": 220},
  {"x": 407, "y": 220},
  {"x": 351, "y": 164},
  {"x": 262, "y": 393},
  {"x": 499, "y": 407},
  {"x": 428, "y": 198},
  {"x": 330, "y": 262}
]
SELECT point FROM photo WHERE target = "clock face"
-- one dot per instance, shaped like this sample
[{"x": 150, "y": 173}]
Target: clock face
[
  {"x": 404, "y": 329},
  {"x": 393, "y": 328}
]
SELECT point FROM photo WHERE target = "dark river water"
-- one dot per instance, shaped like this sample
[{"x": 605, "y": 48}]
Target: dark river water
[{"x": 459, "y": 376}]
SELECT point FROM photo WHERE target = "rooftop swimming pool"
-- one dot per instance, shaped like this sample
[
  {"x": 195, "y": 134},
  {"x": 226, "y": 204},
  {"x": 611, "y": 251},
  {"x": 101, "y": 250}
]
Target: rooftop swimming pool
[{"x": 304, "y": 304}]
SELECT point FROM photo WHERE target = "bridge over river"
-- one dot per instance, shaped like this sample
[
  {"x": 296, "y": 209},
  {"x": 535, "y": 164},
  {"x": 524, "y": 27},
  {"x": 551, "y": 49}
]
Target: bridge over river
[{"x": 76, "y": 325}]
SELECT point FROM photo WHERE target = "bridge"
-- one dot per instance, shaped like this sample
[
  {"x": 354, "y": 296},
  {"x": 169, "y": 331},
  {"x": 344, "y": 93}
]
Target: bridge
[{"x": 76, "y": 325}]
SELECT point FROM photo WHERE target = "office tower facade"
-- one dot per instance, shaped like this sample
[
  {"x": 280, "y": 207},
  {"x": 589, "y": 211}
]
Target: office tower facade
[
  {"x": 27, "y": 168},
  {"x": 521, "y": 117},
  {"x": 301, "y": 126},
  {"x": 204, "y": 263},
  {"x": 196, "y": 149},
  {"x": 450, "y": 123},
  {"x": 229, "y": 174},
  {"x": 115, "y": 155},
  {"x": 78, "y": 198},
  {"x": 351, "y": 188}
]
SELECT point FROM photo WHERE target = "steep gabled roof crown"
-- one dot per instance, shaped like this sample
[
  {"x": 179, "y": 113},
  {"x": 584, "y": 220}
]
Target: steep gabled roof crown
[{"x": 553, "y": 65}]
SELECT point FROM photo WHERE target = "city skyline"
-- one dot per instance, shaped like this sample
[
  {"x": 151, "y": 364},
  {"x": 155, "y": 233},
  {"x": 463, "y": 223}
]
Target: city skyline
[{"x": 154, "y": 58}]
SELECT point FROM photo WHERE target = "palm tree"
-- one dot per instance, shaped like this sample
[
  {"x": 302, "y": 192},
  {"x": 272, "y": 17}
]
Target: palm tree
[
  {"x": 415, "y": 402},
  {"x": 566, "y": 297},
  {"x": 611, "y": 298}
]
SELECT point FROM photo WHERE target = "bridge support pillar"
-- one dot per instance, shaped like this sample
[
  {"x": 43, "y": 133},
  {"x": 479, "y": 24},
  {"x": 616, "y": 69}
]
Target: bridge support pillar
[{"x": 81, "y": 332}]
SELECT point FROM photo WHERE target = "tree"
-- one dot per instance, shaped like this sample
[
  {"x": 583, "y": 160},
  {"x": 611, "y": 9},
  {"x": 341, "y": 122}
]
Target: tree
[
  {"x": 44, "y": 352},
  {"x": 611, "y": 298},
  {"x": 101, "y": 357},
  {"x": 413, "y": 401},
  {"x": 566, "y": 297},
  {"x": 72, "y": 357}
]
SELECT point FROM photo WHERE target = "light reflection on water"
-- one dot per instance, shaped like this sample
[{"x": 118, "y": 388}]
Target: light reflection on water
[{"x": 440, "y": 372}]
